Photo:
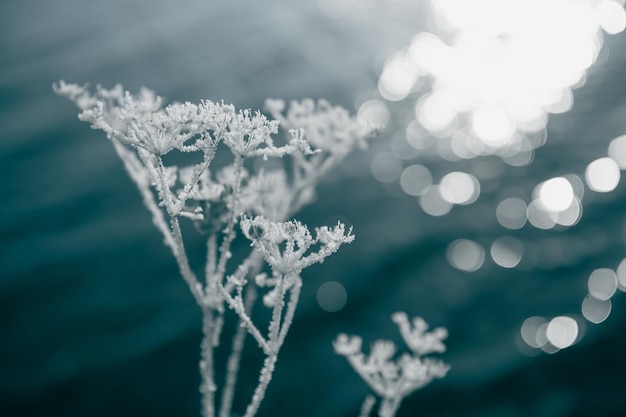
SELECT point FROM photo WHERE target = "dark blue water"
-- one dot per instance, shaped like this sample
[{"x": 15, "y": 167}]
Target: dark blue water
[{"x": 94, "y": 319}]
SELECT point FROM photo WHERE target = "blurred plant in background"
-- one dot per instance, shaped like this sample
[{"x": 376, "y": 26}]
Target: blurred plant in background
[{"x": 394, "y": 380}]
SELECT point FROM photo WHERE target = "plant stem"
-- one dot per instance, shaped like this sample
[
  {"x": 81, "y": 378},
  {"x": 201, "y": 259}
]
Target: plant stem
[
  {"x": 234, "y": 359},
  {"x": 207, "y": 387}
]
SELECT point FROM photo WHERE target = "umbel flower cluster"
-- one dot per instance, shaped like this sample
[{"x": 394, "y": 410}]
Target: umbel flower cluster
[
  {"x": 393, "y": 380},
  {"x": 242, "y": 180}
]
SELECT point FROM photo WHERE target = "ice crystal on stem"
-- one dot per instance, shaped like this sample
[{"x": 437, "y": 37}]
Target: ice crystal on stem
[
  {"x": 393, "y": 380},
  {"x": 239, "y": 196}
]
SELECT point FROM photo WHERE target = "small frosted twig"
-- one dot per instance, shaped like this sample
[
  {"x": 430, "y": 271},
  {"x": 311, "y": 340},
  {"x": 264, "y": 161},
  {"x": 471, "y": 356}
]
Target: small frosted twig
[
  {"x": 367, "y": 406},
  {"x": 164, "y": 188},
  {"x": 234, "y": 359},
  {"x": 179, "y": 247},
  {"x": 291, "y": 310},
  {"x": 135, "y": 170},
  {"x": 208, "y": 157},
  {"x": 229, "y": 231},
  {"x": 237, "y": 306}
]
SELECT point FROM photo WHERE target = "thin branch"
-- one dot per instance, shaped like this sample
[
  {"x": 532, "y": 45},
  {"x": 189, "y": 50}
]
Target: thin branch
[
  {"x": 136, "y": 171},
  {"x": 229, "y": 231},
  {"x": 294, "y": 296},
  {"x": 234, "y": 359},
  {"x": 237, "y": 306},
  {"x": 269, "y": 364}
]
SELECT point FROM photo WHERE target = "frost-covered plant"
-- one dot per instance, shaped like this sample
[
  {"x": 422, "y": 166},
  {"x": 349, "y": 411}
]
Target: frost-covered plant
[
  {"x": 393, "y": 379},
  {"x": 246, "y": 193}
]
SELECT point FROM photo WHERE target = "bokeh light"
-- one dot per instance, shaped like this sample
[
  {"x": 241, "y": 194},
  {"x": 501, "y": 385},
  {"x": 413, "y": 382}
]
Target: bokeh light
[
  {"x": 562, "y": 331},
  {"x": 539, "y": 217},
  {"x": 460, "y": 188},
  {"x": 512, "y": 213},
  {"x": 602, "y": 283},
  {"x": 416, "y": 179},
  {"x": 602, "y": 175},
  {"x": 621, "y": 275},
  {"x": 617, "y": 151},
  {"x": 331, "y": 296},
  {"x": 555, "y": 194},
  {"x": 595, "y": 310},
  {"x": 530, "y": 331},
  {"x": 386, "y": 167},
  {"x": 433, "y": 203},
  {"x": 611, "y": 16},
  {"x": 465, "y": 255},
  {"x": 507, "y": 251},
  {"x": 374, "y": 113},
  {"x": 571, "y": 215},
  {"x": 499, "y": 67}
]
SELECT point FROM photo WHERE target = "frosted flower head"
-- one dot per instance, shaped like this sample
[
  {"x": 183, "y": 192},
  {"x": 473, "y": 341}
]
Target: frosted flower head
[
  {"x": 248, "y": 131},
  {"x": 286, "y": 245}
]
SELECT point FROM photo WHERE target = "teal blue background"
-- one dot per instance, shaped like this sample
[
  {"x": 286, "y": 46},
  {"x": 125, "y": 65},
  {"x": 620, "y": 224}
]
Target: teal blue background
[{"x": 94, "y": 320}]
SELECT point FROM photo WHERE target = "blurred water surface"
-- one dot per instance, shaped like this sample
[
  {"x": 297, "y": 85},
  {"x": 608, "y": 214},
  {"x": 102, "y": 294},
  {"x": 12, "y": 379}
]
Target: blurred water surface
[{"x": 94, "y": 318}]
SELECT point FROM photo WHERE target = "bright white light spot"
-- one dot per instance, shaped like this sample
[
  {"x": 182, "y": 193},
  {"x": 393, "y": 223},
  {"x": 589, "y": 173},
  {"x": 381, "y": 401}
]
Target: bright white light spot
[
  {"x": 465, "y": 255},
  {"x": 563, "y": 103},
  {"x": 434, "y": 113},
  {"x": 397, "y": 79},
  {"x": 602, "y": 283},
  {"x": 374, "y": 112},
  {"x": 433, "y": 203},
  {"x": 386, "y": 167},
  {"x": 617, "y": 151},
  {"x": 538, "y": 217},
  {"x": 562, "y": 331},
  {"x": 511, "y": 213},
  {"x": 493, "y": 125},
  {"x": 530, "y": 329},
  {"x": 556, "y": 194},
  {"x": 594, "y": 310},
  {"x": 331, "y": 296},
  {"x": 621, "y": 275},
  {"x": 602, "y": 175},
  {"x": 460, "y": 188},
  {"x": 416, "y": 179},
  {"x": 507, "y": 251},
  {"x": 611, "y": 16},
  {"x": 503, "y": 67}
]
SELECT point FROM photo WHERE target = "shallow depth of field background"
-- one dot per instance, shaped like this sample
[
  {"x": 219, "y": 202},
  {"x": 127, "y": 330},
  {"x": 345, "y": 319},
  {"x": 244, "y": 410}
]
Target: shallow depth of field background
[{"x": 94, "y": 320}]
